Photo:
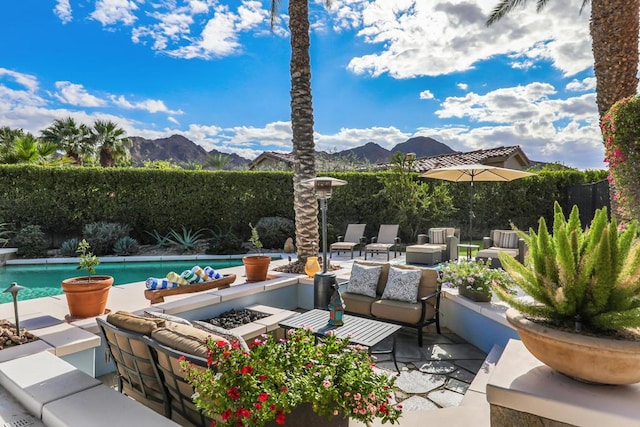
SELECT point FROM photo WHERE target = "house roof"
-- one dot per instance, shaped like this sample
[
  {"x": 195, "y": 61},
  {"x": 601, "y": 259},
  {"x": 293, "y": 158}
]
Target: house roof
[
  {"x": 489, "y": 156},
  {"x": 286, "y": 158}
]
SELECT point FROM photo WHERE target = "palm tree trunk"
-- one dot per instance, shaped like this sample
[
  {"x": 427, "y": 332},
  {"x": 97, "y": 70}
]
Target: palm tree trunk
[
  {"x": 304, "y": 201},
  {"x": 614, "y": 34}
]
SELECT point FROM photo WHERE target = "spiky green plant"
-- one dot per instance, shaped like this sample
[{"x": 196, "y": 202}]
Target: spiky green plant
[{"x": 589, "y": 278}]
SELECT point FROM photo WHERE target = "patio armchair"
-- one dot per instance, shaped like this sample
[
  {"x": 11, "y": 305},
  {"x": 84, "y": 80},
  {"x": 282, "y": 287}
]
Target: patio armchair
[
  {"x": 387, "y": 239},
  {"x": 442, "y": 245},
  {"x": 354, "y": 236},
  {"x": 506, "y": 241}
]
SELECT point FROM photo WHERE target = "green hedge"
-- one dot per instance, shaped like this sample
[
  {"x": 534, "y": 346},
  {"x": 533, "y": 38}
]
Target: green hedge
[{"x": 62, "y": 200}]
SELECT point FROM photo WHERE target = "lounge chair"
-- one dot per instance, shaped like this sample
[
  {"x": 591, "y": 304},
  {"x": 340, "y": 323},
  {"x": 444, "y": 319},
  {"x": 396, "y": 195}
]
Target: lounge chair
[
  {"x": 386, "y": 240},
  {"x": 506, "y": 241},
  {"x": 442, "y": 245},
  {"x": 353, "y": 237}
]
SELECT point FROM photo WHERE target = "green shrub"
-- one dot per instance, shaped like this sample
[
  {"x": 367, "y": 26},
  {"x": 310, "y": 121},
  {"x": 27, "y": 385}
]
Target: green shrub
[
  {"x": 225, "y": 244},
  {"x": 126, "y": 246},
  {"x": 69, "y": 247},
  {"x": 31, "y": 242},
  {"x": 5, "y": 233},
  {"x": 101, "y": 236},
  {"x": 275, "y": 230}
]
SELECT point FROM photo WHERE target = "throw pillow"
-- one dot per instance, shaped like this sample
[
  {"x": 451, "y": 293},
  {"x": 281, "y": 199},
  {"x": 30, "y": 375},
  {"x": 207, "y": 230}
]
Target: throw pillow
[
  {"x": 508, "y": 239},
  {"x": 184, "y": 338},
  {"x": 402, "y": 285},
  {"x": 224, "y": 333},
  {"x": 437, "y": 236},
  {"x": 134, "y": 323},
  {"x": 159, "y": 315},
  {"x": 364, "y": 280}
]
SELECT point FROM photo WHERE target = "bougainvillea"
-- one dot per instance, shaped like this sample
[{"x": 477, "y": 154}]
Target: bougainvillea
[{"x": 621, "y": 131}]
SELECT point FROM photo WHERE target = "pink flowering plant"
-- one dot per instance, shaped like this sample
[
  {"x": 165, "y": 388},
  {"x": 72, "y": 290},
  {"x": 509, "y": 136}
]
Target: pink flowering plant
[
  {"x": 241, "y": 388},
  {"x": 476, "y": 277}
]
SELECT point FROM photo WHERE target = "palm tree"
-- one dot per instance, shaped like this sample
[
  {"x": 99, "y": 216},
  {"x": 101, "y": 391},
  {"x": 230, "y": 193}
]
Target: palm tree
[
  {"x": 614, "y": 34},
  {"x": 26, "y": 148},
  {"x": 73, "y": 139},
  {"x": 112, "y": 142},
  {"x": 304, "y": 167},
  {"x": 218, "y": 162},
  {"x": 7, "y": 137}
]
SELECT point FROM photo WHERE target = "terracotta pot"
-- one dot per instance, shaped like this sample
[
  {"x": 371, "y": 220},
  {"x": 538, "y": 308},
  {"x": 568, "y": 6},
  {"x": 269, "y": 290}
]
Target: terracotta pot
[
  {"x": 87, "y": 298},
  {"x": 473, "y": 296},
  {"x": 303, "y": 416},
  {"x": 256, "y": 267},
  {"x": 586, "y": 358}
]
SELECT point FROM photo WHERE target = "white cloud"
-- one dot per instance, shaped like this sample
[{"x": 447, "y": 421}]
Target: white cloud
[
  {"x": 416, "y": 38},
  {"x": 581, "y": 85},
  {"x": 63, "y": 11},
  {"x": 150, "y": 105},
  {"x": 463, "y": 86},
  {"x": 110, "y": 12},
  {"x": 426, "y": 94},
  {"x": 27, "y": 80},
  {"x": 173, "y": 120},
  {"x": 77, "y": 95}
]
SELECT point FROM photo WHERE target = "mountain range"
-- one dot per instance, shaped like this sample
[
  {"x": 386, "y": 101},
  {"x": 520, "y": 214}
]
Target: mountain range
[{"x": 181, "y": 150}]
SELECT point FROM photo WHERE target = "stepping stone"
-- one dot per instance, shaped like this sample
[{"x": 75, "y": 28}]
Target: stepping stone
[
  {"x": 457, "y": 386},
  {"x": 416, "y": 382},
  {"x": 446, "y": 398},
  {"x": 470, "y": 365},
  {"x": 437, "y": 367},
  {"x": 417, "y": 403},
  {"x": 455, "y": 352},
  {"x": 463, "y": 375},
  {"x": 389, "y": 366}
]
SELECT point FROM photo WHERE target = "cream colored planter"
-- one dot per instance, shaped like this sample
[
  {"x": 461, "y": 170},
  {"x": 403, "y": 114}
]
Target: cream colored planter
[{"x": 598, "y": 360}]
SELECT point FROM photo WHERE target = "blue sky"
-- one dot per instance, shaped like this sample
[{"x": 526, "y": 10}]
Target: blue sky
[{"x": 382, "y": 71}]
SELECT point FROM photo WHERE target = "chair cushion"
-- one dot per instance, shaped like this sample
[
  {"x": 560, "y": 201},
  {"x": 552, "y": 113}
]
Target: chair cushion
[
  {"x": 169, "y": 317},
  {"x": 425, "y": 249},
  {"x": 343, "y": 245},
  {"x": 437, "y": 236},
  {"x": 135, "y": 323},
  {"x": 185, "y": 338},
  {"x": 364, "y": 280},
  {"x": 402, "y": 285},
  {"x": 399, "y": 311},
  {"x": 492, "y": 252},
  {"x": 507, "y": 239},
  {"x": 356, "y": 303}
]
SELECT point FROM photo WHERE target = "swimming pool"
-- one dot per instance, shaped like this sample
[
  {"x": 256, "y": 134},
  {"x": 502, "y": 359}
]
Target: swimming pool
[{"x": 41, "y": 280}]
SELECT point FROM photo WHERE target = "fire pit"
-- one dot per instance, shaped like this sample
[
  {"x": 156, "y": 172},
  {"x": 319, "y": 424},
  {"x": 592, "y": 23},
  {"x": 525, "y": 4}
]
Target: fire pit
[{"x": 235, "y": 318}]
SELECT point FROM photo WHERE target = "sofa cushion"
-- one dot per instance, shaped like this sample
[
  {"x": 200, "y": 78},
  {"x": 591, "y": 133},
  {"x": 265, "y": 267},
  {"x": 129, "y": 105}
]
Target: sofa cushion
[
  {"x": 402, "y": 285},
  {"x": 134, "y": 323},
  {"x": 169, "y": 317},
  {"x": 437, "y": 236},
  {"x": 364, "y": 280},
  {"x": 399, "y": 311},
  {"x": 356, "y": 303},
  {"x": 507, "y": 239},
  {"x": 185, "y": 338}
]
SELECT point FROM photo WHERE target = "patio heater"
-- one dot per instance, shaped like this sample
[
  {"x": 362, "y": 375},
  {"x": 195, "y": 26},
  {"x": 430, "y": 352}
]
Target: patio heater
[
  {"x": 323, "y": 282},
  {"x": 13, "y": 290}
]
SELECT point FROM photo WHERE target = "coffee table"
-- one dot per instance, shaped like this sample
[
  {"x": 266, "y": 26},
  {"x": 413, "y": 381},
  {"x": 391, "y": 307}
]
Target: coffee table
[
  {"x": 359, "y": 330},
  {"x": 469, "y": 248}
]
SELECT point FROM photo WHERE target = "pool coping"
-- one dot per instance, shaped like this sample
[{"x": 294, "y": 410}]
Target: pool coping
[{"x": 136, "y": 258}]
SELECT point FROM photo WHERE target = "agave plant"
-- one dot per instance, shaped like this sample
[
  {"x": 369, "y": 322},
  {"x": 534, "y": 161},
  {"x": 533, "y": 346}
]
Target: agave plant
[
  {"x": 577, "y": 278},
  {"x": 187, "y": 240}
]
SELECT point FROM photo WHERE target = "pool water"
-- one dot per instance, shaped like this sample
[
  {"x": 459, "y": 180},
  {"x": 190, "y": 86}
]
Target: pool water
[{"x": 41, "y": 280}]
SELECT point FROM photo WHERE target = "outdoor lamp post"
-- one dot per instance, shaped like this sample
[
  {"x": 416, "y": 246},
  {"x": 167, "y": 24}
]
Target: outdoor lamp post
[
  {"x": 13, "y": 290},
  {"x": 323, "y": 281}
]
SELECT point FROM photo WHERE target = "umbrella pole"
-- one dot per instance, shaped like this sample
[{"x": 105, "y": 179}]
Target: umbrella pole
[{"x": 471, "y": 209}]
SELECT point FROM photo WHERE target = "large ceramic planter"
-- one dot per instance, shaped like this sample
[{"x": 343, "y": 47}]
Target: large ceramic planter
[
  {"x": 587, "y": 358},
  {"x": 303, "y": 416},
  {"x": 256, "y": 267},
  {"x": 87, "y": 298}
]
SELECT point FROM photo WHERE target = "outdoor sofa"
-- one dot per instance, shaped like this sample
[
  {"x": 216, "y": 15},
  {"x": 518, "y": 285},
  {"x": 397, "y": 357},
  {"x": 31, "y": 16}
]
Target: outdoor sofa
[{"x": 416, "y": 308}]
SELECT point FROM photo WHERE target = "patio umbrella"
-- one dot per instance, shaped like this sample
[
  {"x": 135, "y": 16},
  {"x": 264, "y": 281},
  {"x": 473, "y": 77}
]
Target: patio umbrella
[{"x": 472, "y": 173}]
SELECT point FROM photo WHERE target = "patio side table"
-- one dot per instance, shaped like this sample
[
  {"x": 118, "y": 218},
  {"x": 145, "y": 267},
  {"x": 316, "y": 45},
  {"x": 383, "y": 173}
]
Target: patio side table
[
  {"x": 359, "y": 330},
  {"x": 469, "y": 249}
]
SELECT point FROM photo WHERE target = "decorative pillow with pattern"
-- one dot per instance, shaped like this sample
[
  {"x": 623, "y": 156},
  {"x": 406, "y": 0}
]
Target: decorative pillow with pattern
[
  {"x": 402, "y": 285},
  {"x": 169, "y": 317},
  {"x": 437, "y": 236},
  {"x": 509, "y": 240},
  {"x": 364, "y": 280}
]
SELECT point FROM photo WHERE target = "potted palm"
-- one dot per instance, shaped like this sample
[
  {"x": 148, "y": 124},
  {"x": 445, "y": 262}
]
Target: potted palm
[
  {"x": 87, "y": 295},
  {"x": 256, "y": 266},
  {"x": 585, "y": 287}
]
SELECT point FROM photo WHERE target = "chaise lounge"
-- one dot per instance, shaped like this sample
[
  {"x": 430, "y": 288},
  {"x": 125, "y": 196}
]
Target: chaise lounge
[
  {"x": 354, "y": 236},
  {"x": 387, "y": 239}
]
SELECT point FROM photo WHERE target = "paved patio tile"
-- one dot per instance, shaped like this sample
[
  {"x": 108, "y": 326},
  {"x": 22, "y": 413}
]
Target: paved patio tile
[
  {"x": 437, "y": 367},
  {"x": 455, "y": 352},
  {"x": 462, "y": 375},
  {"x": 446, "y": 398},
  {"x": 457, "y": 386},
  {"x": 417, "y": 382},
  {"x": 417, "y": 403},
  {"x": 472, "y": 366}
]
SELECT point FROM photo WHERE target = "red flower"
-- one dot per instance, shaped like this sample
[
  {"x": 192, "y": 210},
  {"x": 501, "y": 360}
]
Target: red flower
[
  {"x": 247, "y": 369},
  {"x": 243, "y": 413},
  {"x": 280, "y": 417},
  {"x": 272, "y": 407},
  {"x": 213, "y": 424},
  {"x": 182, "y": 358},
  {"x": 284, "y": 388},
  {"x": 233, "y": 393},
  {"x": 221, "y": 343},
  {"x": 209, "y": 357},
  {"x": 258, "y": 406},
  {"x": 262, "y": 377},
  {"x": 263, "y": 396},
  {"x": 226, "y": 415},
  {"x": 235, "y": 345}
]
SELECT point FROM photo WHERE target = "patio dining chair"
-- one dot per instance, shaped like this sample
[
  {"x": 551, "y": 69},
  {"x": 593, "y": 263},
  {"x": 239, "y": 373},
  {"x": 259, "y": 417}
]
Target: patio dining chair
[
  {"x": 354, "y": 236},
  {"x": 386, "y": 240}
]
